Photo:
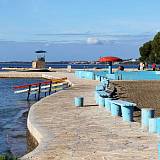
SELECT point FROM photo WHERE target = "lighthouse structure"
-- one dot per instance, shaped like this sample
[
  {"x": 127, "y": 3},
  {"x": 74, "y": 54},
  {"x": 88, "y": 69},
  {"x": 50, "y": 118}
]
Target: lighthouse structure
[{"x": 39, "y": 63}]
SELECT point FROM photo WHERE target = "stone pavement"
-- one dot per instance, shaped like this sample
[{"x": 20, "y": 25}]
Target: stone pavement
[{"x": 65, "y": 132}]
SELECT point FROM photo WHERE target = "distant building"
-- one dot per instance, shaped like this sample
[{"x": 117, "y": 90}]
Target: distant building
[{"x": 39, "y": 63}]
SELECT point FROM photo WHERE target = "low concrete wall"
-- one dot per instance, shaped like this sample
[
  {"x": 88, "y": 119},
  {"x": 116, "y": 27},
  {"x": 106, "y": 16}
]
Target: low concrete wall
[
  {"x": 14, "y": 74},
  {"x": 85, "y": 74}
]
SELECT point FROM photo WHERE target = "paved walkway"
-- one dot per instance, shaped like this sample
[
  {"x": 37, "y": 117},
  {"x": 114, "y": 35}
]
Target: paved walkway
[{"x": 65, "y": 132}]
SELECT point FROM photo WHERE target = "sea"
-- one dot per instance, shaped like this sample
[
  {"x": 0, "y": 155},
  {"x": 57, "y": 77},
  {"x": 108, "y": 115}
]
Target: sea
[
  {"x": 13, "y": 115},
  {"x": 14, "y": 107},
  {"x": 55, "y": 65}
]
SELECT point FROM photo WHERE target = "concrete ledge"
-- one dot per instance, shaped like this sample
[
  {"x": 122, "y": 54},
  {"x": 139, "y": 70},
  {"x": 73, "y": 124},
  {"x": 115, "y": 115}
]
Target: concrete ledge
[{"x": 66, "y": 132}]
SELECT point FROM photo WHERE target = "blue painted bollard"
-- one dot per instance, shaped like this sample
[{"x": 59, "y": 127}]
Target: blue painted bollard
[
  {"x": 97, "y": 97},
  {"x": 152, "y": 125},
  {"x": 98, "y": 77},
  {"x": 79, "y": 101},
  {"x": 108, "y": 104},
  {"x": 158, "y": 125},
  {"x": 100, "y": 88},
  {"x": 101, "y": 101},
  {"x": 146, "y": 113},
  {"x": 110, "y": 69},
  {"x": 127, "y": 113},
  {"x": 115, "y": 109}
]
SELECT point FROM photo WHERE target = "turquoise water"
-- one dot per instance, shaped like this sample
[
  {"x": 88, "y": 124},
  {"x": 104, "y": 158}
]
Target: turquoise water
[
  {"x": 139, "y": 75},
  {"x": 13, "y": 115},
  {"x": 119, "y": 75},
  {"x": 133, "y": 75}
]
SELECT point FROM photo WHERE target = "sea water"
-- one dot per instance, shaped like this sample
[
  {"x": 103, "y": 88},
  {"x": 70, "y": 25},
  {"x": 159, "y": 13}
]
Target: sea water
[
  {"x": 53, "y": 65},
  {"x": 13, "y": 116}
]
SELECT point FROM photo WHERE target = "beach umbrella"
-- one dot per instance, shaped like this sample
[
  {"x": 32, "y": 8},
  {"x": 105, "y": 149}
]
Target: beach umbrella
[{"x": 109, "y": 60}]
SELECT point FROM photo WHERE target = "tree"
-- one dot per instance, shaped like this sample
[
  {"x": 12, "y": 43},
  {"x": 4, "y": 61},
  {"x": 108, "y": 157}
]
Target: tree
[
  {"x": 156, "y": 48},
  {"x": 145, "y": 51},
  {"x": 150, "y": 51}
]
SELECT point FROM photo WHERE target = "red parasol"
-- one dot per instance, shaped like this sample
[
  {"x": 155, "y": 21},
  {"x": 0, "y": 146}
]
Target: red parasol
[{"x": 109, "y": 59}]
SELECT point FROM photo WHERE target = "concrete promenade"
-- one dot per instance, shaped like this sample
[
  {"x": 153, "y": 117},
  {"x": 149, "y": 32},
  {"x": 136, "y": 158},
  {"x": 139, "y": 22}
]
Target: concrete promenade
[{"x": 65, "y": 132}]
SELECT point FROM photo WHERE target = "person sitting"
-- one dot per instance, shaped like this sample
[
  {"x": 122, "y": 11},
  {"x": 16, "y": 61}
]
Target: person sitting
[
  {"x": 153, "y": 66},
  {"x": 121, "y": 68}
]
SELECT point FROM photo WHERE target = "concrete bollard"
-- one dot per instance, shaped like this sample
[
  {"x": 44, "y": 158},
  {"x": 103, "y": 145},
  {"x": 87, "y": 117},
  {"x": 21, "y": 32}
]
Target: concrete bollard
[
  {"x": 158, "y": 125},
  {"x": 108, "y": 104},
  {"x": 146, "y": 113},
  {"x": 97, "y": 98},
  {"x": 101, "y": 101},
  {"x": 152, "y": 125},
  {"x": 110, "y": 69},
  {"x": 115, "y": 109},
  {"x": 127, "y": 113},
  {"x": 79, "y": 101},
  {"x": 100, "y": 88},
  {"x": 98, "y": 77}
]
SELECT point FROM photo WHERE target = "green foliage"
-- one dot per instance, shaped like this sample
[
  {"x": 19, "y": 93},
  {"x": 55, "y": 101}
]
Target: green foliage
[
  {"x": 8, "y": 157},
  {"x": 145, "y": 51},
  {"x": 150, "y": 51}
]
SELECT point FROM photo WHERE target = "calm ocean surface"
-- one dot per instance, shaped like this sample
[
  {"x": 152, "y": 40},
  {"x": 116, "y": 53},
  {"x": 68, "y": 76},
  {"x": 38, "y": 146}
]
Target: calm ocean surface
[
  {"x": 13, "y": 115},
  {"x": 75, "y": 66}
]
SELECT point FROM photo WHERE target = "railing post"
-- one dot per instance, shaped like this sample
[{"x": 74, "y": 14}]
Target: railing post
[
  {"x": 121, "y": 76},
  {"x": 39, "y": 91},
  {"x": 55, "y": 87},
  {"x": 50, "y": 88},
  {"x": 35, "y": 96},
  {"x": 29, "y": 90}
]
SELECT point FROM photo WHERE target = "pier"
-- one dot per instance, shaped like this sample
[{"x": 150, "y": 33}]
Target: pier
[{"x": 66, "y": 132}]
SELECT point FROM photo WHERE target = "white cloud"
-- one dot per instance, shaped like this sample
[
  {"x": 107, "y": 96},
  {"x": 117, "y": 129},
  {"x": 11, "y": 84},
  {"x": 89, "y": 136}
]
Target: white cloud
[{"x": 93, "y": 40}]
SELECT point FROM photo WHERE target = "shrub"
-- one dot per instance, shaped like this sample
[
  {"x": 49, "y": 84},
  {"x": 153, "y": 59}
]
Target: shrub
[{"x": 8, "y": 157}]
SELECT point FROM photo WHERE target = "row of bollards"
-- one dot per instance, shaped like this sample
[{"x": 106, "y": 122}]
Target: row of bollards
[
  {"x": 148, "y": 120},
  {"x": 126, "y": 111}
]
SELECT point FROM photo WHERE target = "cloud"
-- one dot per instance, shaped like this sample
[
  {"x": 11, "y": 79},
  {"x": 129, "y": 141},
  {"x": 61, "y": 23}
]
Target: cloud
[
  {"x": 94, "y": 41},
  {"x": 64, "y": 34},
  {"x": 94, "y": 38}
]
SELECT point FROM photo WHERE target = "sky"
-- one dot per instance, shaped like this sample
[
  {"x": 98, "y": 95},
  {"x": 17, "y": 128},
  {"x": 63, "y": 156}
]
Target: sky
[{"x": 76, "y": 29}]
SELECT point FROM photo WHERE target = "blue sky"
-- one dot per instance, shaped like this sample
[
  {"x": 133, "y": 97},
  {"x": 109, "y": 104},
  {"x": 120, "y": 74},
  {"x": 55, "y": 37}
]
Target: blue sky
[{"x": 76, "y": 30}]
